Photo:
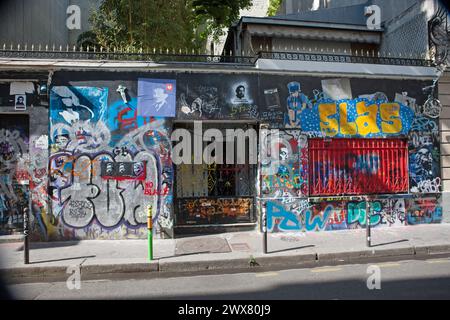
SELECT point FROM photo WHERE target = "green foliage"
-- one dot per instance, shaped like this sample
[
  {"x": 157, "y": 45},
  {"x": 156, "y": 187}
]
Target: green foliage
[
  {"x": 145, "y": 24},
  {"x": 274, "y": 5},
  {"x": 215, "y": 15},
  {"x": 171, "y": 24}
]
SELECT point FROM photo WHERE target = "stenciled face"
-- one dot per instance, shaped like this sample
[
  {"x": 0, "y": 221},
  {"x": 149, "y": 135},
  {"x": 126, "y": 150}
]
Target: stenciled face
[
  {"x": 138, "y": 169},
  {"x": 159, "y": 95},
  {"x": 109, "y": 168},
  {"x": 284, "y": 154},
  {"x": 61, "y": 141},
  {"x": 240, "y": 92}
]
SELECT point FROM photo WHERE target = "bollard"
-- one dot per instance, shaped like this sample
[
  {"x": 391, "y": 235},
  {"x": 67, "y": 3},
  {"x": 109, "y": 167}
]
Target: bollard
[
  {"x": 368, "y": 236},
  {"x": 150, "y": 232},
  {"x": 26, "y": 239},
  {"x": 265, "y": 233}
]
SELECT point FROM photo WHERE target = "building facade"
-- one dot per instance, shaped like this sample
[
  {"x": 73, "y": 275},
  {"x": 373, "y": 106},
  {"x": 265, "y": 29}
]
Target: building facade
[
  {"x": 338, "y": 26},
  {"x": 90, "y": 147},
  {"x": 43, "y": 22}
]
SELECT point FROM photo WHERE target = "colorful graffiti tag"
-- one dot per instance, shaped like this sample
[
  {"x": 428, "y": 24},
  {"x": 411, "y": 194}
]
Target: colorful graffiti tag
[
  {"x": 14, "y": 175},
  {"x": 101, "y": 169},
  {"x": 357, "y": 118},
  {"x": 110, "y": 157},
  {"x": 343, "y": 215},
  {"x": 424, "y": 157},
  {"x": 287, "y": 176}
]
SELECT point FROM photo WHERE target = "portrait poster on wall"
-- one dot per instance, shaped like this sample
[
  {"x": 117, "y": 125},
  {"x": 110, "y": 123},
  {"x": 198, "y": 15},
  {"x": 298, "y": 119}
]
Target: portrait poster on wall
[{"x": 156, "y": 97}]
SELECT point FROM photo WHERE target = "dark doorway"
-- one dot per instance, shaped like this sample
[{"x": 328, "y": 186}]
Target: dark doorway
[
  {"x": 217, "y": 194},
  {"x": 14, "y": 177}
]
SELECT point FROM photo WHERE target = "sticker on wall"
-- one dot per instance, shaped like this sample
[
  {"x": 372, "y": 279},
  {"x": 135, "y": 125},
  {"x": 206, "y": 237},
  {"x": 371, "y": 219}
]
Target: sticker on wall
[
  {"x": 405, "y": 100},
  {"x": 75, "y": 104},
  {"x": 123, "y": 170},
  {"x": 337, "y": 89},
  {"x": 41, "y": 142},
  {"x": 272, "y": 99},
  {"x": 156, "y": 97},
  {"x": 20, "y": 102},
  {"x": 376, "y": 96}
]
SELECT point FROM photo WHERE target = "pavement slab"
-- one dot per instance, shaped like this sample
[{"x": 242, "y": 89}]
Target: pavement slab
[{"x": 227, "y": 251}]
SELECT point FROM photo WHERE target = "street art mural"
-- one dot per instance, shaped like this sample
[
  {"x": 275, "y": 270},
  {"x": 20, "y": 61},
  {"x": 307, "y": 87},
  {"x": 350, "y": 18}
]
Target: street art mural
[
  {"x": 287, "y": 175},
  {"x": 358, "y": 166},
  {"x": 110, "y": 155},
  {"x": 424, "y": 211},
  {"x": 343, "y": 215},
  {"x": 107, "y": 166},
  {"x": 297, "y": 102},
  {"x": 385, "y": 144},
  {"x": 424, "y": 156},
  {"x": 213, "y": 96},
  {"x": 357, "y": 118}
]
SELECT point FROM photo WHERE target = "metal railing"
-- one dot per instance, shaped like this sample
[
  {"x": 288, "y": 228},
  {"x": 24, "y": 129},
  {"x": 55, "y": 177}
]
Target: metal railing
[
  {"x": 95, "y": 54},
  {"x": 183, "y": 56},
  {"x": 355, "y": 57}
]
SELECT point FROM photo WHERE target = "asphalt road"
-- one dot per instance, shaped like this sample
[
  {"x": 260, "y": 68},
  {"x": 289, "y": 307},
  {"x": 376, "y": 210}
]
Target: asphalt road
[{"x": 427, "y": 279}]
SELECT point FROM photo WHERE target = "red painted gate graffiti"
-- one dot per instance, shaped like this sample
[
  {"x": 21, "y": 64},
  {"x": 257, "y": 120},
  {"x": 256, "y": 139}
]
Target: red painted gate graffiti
[{"x": 358, "y": 166}]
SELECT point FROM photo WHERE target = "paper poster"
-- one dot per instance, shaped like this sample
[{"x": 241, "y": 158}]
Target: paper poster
[{"x": 156, "y": 98}]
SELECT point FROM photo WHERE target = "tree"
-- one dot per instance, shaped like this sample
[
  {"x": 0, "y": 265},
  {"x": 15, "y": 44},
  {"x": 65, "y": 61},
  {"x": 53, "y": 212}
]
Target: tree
[
  {"x": 172, "y": 24},
  {"x": 274, "y": 5},
  {"x": 145, "y": 24},
  {"x": 216, "y": 15}
]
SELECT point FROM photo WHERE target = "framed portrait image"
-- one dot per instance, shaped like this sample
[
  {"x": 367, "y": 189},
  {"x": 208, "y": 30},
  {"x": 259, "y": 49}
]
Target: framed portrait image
[{"x": 20, "y": 102}]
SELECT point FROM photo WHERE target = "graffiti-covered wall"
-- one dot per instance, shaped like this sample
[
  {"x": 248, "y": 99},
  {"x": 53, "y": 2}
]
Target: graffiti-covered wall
[
  {"x": 375, "y": 137},
  {"x": 362, "y": 137},
  {"x": 23, "y": 154},
  {"x": 110, "y": 150},
  {"x": 110, "y": 160}
]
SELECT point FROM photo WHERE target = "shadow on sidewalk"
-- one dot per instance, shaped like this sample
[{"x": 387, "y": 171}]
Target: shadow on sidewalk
[
  {"x": 387, "y": 243},
  {"x": 50, "y": 244},
  {"x": 62, "y": 259},
  {"x": 290, "y": 249}
]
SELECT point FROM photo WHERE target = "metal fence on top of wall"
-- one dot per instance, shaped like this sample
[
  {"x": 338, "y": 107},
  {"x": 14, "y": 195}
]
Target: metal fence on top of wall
[{"x": 184, "y": 56}]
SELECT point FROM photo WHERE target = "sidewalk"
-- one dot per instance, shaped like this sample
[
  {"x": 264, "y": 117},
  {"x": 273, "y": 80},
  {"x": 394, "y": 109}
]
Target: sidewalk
[{"x": 241, "y": 250}]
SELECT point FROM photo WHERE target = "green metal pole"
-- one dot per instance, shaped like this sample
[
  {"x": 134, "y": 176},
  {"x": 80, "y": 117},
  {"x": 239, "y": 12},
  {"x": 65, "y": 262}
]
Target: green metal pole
[{"x": 150, "y": 233}]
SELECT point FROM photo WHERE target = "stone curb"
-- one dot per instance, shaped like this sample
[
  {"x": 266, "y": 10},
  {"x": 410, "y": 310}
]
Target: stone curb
[
  {"x": 258, "y": 261},
  {"x": 119, "y": 268},
  {"x": 190, "y": 266},
  {"x": 11, "y": 239},
  {"x": 430, "y": 250}
]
